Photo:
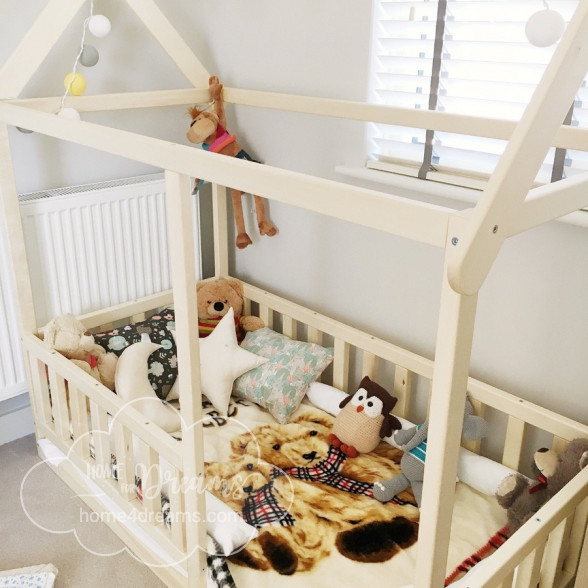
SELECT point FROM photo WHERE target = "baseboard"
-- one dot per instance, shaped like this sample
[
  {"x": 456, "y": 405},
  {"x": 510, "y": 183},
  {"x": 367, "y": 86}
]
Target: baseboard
[{"x": 16, "y": 418}]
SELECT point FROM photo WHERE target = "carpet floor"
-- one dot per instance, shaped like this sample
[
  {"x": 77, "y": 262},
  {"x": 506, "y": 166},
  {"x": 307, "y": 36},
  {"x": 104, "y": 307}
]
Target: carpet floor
[{"x": 47, "y": 501}]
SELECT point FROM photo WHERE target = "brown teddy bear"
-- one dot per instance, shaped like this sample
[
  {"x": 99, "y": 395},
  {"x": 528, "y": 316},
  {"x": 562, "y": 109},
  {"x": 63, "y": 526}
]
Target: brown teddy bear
[
  {"x": 522, "y": 497},
  {"x": 66, "y": 334},
  {"x": 215, "y": 297},
  {"x": 284, "y": 480}
]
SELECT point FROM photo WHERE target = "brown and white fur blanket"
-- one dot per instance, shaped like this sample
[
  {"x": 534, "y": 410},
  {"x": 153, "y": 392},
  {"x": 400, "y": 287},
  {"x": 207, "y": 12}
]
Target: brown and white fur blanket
[{"x": 307, "y": 498}]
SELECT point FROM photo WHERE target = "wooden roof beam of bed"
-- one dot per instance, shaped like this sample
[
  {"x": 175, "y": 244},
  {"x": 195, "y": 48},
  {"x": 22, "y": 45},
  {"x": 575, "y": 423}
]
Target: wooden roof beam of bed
[
  {"x": 567, "y": 137},
  {"x": 501, "y": 204},
  {"x": 392, "y": 214}
]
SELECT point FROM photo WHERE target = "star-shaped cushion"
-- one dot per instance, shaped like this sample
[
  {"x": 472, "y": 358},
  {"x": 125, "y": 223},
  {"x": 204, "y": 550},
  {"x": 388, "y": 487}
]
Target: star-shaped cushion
[{"x": 222, "y": 361}]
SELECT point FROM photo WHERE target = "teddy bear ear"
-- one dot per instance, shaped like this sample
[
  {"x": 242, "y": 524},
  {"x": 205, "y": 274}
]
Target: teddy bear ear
[
  {"x": 237, "y": 285},
  {"x": 584, "y": 460}
]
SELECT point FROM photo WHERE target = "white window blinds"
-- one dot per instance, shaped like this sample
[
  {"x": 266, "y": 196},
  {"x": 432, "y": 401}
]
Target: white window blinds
[{"x": 484, "y": 66}]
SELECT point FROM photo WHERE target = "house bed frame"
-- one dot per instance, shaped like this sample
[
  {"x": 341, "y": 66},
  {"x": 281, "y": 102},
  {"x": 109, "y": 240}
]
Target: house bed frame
[{"x": 552, "y": 547}]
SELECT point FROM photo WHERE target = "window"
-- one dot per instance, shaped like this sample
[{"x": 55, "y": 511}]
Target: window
[{"x": 467, "y": 57}]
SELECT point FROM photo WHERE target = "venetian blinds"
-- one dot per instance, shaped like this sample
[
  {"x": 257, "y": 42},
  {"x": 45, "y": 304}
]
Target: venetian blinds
[{"x": 486, "y": 67}]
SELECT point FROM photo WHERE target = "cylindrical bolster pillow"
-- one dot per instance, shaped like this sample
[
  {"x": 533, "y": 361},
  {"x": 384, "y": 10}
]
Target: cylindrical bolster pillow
[{"x": 478, "y": 472}]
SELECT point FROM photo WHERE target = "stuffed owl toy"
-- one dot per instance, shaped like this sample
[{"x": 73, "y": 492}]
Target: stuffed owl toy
[{"x": 364, "y": 419}]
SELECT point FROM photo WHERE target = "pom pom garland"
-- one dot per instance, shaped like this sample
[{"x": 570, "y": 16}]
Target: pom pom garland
[
  {"x": 99, "y": 25},
  {"x": 70, "y": 113},
  {"x": 544, "y": 28},
  {"x": 75, "y": 83},
  {"x": 89, "y": 56}
]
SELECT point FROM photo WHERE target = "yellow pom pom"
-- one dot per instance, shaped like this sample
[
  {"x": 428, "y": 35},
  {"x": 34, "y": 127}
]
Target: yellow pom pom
[{"x": 78, "y": 85}]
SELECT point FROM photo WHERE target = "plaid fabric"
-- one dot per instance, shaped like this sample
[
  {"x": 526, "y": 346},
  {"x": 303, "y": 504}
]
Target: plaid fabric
[
  {"x": 327, "y": 472},
  {"x": 263, "y": 509},
  {"x": 467, "y": 564},
  {"x": 217, "y": 566}
]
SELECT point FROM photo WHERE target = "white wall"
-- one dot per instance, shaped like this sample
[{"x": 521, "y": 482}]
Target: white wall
[{"x": 532, "y": 329}]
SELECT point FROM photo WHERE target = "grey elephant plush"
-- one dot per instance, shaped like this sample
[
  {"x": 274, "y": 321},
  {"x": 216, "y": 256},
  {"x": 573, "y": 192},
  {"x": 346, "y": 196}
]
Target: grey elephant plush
[{"x": 413, "y": 442}]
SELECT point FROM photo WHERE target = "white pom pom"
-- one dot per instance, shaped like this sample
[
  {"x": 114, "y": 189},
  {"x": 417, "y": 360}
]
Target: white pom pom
[
  {"x": 99, "y": 25},
  {"x": 70, "y": 113},
  {"x": 544, "y": 28}
]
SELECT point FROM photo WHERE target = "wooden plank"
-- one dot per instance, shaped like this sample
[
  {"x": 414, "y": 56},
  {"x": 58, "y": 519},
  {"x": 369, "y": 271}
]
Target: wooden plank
[
  {"x": 221, "y": 231},
  {"x": 125, "y": 466},
  {"x": 40, "y": 390},
  {"x": 576, "y": 539},
  {"x": 99, "y": 419},
  {"x": 36, "y": 45},
  {"x": 341, "y": 365},
  {"x": 181, "y": 232},
  {"x": 79, "y": 421},
  {"x": 368, "y": 364},
  {"x": 100, "y": 318},
  {"x": 119, "y": 101},
  {"x": 59, "y": 406},
  {"x": 582, "y": 575},
  {"x": 551, "y": 201},
  {"x": 177, "y": 510},
  {"x": 289, "y": 327},
  {"x": 478, "y": 243},
  {"x": 452, "y": 356},
  {"x": 402, "y": 390},
  {"x": 408, "y": 218},
  {"x": 266, "y": 315},
  {"x": 529, "y": 570},
  {"x": 513, "y": 443},
  {"x": 14, "y": 237},
  {"x": 148, "y": 471},
  {"x": 555, "y": 553},
  {"x": 169, "y": 39},
  {"x": 314, "y": 335},
  {"x": 566, "y": 137}
]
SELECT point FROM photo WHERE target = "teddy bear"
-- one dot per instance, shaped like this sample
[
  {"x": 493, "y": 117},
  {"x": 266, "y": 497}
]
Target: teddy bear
[
  {"x": 209, "y": 129},
  {"x": 66, "y": 334},
  {"x": 413, "y": 441},
  {"x": 215, "y": 297},
  {"x": 332, "y": 506},
  {"x": 522, "y": 498}
]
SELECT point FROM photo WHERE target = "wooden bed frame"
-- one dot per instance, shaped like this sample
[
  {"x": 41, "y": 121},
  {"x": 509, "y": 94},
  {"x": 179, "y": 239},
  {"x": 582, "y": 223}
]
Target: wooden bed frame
[{"x": 552, "y": 548}]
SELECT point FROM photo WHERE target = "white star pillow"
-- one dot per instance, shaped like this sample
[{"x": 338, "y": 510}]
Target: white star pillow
[{"x": 222, "y": 361}]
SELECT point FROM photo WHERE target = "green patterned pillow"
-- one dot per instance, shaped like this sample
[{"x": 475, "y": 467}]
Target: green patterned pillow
[{"x": 279, "y": 385}]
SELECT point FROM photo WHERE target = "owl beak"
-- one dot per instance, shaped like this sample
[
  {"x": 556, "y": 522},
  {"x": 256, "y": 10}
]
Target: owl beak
[{"x": 359, "y": 408}]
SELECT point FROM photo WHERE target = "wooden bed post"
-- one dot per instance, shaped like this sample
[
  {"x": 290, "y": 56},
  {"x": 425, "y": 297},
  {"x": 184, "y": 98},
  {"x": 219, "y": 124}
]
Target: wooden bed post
[
  {"x": 183, "y": 271},
  {"x": 15, "y": 241},
  {"x": 221, "y": 231},
  {"x": 452, "y": 360}
]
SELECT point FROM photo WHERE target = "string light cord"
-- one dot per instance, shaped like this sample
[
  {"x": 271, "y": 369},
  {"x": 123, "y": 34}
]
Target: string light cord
[{"x": 79, "y": 55}]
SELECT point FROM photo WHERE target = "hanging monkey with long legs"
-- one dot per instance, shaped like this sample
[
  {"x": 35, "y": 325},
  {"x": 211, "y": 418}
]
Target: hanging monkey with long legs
[{"x": 209, "y": 128}]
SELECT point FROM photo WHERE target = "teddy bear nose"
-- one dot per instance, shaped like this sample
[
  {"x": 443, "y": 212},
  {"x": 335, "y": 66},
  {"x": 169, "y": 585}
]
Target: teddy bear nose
[
  {"x": 248, "y": 489},
  {"x": 218, "y": 306},
  {"x": 310, "y": 456},
  {"x": 359, "y": 408},
  {"x": 542, "y": 450}
]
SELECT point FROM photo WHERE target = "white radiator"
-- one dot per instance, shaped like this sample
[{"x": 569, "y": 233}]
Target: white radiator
[{"x": 90, "y": 247}]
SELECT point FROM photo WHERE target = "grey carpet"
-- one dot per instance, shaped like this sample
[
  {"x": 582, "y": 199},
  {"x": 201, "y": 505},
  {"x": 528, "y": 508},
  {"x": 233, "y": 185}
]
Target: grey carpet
[{"x": 50, "y": 503}]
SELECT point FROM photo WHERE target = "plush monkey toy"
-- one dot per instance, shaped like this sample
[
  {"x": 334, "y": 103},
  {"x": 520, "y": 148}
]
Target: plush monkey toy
[{"x": 209, "y": 128}]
